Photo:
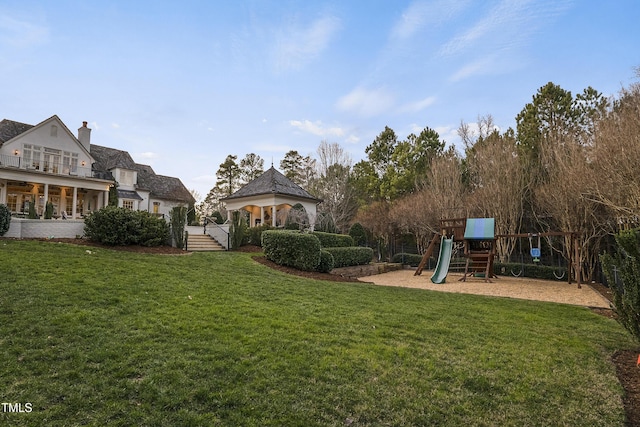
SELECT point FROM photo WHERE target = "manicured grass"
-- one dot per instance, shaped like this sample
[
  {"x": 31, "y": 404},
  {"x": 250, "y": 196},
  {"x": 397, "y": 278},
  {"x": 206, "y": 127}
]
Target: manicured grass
[{"x": 115, "y": 338}]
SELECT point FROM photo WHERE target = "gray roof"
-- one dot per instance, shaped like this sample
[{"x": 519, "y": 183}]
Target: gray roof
[
  {"x": 9, "y": 129},
  {"x": 161, "y": 186},
  {"x": 110, "y": 158},
  {"x": 128, "y": 194},
  {"x": 272, "y": 182}
]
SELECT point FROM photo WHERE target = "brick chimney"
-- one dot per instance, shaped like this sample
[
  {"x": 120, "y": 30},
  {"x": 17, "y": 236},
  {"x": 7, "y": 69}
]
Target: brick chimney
[{"x": 84, "y": 136}]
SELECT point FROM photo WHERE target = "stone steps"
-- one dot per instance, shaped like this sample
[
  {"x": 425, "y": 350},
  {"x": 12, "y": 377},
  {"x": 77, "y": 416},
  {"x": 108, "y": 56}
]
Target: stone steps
[{"x": 202, "y": 243}]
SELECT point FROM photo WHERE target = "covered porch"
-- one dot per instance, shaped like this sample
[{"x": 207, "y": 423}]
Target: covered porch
[{"x": 71, "y": 198}]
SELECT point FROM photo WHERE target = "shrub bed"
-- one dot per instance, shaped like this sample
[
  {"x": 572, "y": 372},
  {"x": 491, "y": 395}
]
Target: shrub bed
[
  {"x": 293, "y": 249},
  {"x": 349, "y": 256}
]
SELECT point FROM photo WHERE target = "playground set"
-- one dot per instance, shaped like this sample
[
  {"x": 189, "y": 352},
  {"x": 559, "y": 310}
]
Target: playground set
[{"x": 477, "y": 239}]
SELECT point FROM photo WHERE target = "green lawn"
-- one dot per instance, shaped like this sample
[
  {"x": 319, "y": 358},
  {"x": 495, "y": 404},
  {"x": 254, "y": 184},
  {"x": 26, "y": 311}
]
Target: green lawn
[{"x": 115, "y": 338}]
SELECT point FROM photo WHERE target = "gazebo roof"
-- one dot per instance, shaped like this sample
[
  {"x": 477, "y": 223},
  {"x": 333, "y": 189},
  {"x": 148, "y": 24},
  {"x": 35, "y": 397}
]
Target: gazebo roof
[{"x": 274, "y": 183}]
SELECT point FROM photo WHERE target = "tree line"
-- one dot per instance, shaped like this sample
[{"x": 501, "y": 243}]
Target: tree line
[{"x": 571, "y": 164}]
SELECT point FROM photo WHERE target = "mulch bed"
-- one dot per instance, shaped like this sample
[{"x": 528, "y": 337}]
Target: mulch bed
[{"x": 625, "y": 361}]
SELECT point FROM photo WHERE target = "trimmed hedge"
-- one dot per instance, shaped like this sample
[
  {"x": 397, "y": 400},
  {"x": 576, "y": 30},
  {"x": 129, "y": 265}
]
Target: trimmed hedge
[
  {"x": 407, "y": 259},
  {"x": 349, "y": 256},
  {"x": 326, "y": 262},
  {"x": 5, "y": 219},
  {"x": 120, "y": 227},
  {"x": 293, "y": 249},
  {"x": 333, "y": 240},
  {"x": 533, "y": 271}
]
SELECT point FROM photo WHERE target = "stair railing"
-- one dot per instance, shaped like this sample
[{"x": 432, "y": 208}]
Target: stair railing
[{"x": 208, "y": 221}]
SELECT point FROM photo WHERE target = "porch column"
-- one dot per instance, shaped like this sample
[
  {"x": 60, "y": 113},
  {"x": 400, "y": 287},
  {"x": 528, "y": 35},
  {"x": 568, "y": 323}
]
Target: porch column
[
  {"x": 46, "y": 197},
  {"x": 273, "y": 215},
  {"x": 75, "y": 203},
  {"x": 105, "y": 199},
  {"x": 3, "y": 192},
  {"x": 261, "y": 215}
]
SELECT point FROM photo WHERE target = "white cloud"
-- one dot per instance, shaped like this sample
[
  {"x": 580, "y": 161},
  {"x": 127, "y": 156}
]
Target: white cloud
[
  {"x": 414, "y": 107},
  {"x": 421, "y": 14},
  {"x": 115, "y": 125},
  {"x": 316, "y": 128},
  {"x": 296, "y": 47},
  {"x": 22, "y": 34},
  {"x": 366, "y": 102},
  {"x": 352, "y": 139},
  {"x": 508, "y": 25},
  {"x": 481, "y": 66}
]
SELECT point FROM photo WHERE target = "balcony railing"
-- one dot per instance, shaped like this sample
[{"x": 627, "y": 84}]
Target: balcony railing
[{"x": 57, "y": 168}]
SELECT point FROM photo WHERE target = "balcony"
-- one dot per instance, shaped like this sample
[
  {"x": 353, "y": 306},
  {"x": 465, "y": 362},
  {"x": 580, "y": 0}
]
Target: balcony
[{"x": 17, "y": 162}]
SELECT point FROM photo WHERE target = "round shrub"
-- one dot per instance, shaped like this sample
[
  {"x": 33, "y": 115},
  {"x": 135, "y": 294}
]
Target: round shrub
[
  {"x": 326, "y": 262},
  {"x": 359, "y": 234},
  {"x": 5, "y": 219},
  {"x": 120, "y": 227},
  {"x": 291, "y": 248}
]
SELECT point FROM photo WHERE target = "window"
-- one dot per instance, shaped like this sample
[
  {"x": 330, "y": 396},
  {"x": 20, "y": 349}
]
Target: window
[
  {"x": 156, "y": 207},
  {"x": 12, "y": 202},
  {"x": 54, "y": 131},
  {"x": 32, "y": 156},
  {"x": 69, "y": 163},
  {"x": 127, "y": 204},
  {"x": 51, "y": 160}
]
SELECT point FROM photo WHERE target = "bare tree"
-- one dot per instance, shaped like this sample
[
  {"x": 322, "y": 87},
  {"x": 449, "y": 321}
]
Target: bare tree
[
  {"x": 498, "y": 180},
  {"x": 376, "y": 218},
  {"x": 333, "y": 185},
  {"x": 441, "y": 196},
  {"x": 616, "y": 155}
]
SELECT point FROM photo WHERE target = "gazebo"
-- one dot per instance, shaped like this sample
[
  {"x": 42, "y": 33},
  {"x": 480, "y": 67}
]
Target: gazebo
[{"x": 268, "y": 199}]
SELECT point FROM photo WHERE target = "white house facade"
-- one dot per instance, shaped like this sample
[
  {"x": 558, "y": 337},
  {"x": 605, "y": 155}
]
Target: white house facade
[{"x": 47, "y": 163}]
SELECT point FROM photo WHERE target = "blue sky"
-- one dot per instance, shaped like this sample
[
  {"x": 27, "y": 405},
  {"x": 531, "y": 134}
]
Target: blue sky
[{"x": 180, "y": 85}]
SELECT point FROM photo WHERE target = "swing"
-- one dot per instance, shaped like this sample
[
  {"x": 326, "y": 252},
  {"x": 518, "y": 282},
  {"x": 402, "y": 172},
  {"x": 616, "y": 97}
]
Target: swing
[
  {"x": 563, "y": 272},
  {"x": 521, "y": 261},
  {"x": 534, "y": 251}
]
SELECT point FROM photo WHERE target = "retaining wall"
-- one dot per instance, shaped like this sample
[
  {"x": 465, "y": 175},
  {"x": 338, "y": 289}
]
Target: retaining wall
[{"x": 41, "y": 228}]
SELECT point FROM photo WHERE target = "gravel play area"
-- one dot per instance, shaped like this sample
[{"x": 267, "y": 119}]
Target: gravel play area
[{"x": 503, "y": 286}]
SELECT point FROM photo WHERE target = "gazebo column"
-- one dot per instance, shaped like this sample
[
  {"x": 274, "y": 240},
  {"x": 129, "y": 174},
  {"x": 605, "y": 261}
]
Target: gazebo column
[{"x": 273, "y": 215}]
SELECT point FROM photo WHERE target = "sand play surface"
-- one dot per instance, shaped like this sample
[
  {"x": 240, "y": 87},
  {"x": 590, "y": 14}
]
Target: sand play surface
[{"x": 503, "y": 286}]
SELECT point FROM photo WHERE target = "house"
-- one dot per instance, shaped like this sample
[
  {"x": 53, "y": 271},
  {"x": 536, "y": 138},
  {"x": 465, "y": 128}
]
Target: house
[
  {"x": 47, "y": 163},
  {"x": 268, "y": 199}
]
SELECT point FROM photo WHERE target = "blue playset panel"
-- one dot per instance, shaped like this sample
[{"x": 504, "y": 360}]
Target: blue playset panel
[{"x": 480, "y": 229}]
